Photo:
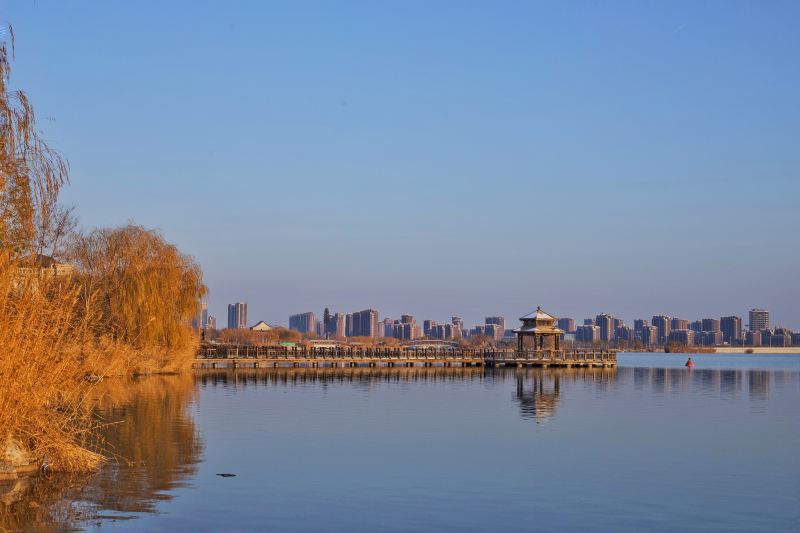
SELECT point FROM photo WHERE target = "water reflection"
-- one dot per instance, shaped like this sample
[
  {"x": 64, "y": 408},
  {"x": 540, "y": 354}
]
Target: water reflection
[
  {"x": 539, "y": 390},
  {"x": 709, "y": 381},
  {"x": 153, "y": 445}
]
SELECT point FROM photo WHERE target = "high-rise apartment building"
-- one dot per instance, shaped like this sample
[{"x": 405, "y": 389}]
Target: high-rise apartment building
[
  {"x": 428, "y": 327},
  {"x": 710, "y": 324},
  {"x": 365, "y": 323},
  {"x": 759, "y": 319},
  {"x": 587, "y": 333},
  {"x": 638, "y": 325},
  {"x": 678, "y": 323},
  {"x": 650, "y": 336},
  {"x": 348, "y": 325},
  {"x": 458, "y": 326},
  {"x": 684, "y": 337},
  {"x": 336, "y": 326},
  {"x": 753, "y": 338},
  {"x": 605, "y": 322},
  {"x": 588, "y": 322},
  {"x": 731, "y": 329},
  {"x": 709, "y": 338},
  {"x": 500, "y": 322},
  {"x": 624, "y": 333},
  {"x": 237, "y": 315},
  {"x": 567, "y": 324},
  {"x": 663, "y": 323},
  {"x": 212, "y": 322},
  {"x": 303, "y": 322},
  {"x": 493, "y": 331}
]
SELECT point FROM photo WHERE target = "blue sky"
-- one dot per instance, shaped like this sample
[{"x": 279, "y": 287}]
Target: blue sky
[{"x": 438, "y": 158}]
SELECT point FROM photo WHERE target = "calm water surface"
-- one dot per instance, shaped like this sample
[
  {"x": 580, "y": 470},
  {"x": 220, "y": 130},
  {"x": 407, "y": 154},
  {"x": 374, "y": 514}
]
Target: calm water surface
[{"x": 649, "y": 445}]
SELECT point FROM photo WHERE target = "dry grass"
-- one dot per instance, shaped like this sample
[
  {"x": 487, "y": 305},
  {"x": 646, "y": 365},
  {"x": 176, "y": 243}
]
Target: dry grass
[
  {"x": 126, "y": 311},
  {"x": 44, "y": 385}
]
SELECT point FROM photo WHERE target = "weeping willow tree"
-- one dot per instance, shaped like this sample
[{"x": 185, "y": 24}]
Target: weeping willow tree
[
  {"x": 127, "y": 310},
  {"x": 42, "y": 387},
  {"x": 31, "y": 173},
  {"x": 143, "y": 290}
]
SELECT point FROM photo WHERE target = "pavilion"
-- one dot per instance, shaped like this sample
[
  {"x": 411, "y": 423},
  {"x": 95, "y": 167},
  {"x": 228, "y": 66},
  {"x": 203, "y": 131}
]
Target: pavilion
[{"x": 538, "y": 333}]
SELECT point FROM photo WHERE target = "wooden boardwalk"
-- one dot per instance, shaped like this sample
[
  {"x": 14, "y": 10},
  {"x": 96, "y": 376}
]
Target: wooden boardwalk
[{"x": 233, "y": 356}]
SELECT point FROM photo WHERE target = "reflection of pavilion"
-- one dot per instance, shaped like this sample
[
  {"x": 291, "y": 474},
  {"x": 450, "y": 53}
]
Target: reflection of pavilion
[{"x": 539, "y": 401}]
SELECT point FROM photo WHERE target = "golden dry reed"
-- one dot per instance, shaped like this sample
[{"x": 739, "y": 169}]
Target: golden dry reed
[{"x": 116, "y": 302}]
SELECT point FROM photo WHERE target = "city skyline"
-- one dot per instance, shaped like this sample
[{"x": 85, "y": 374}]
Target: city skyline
[
  {"x": 604, "y": 327},
  {"x": 356, "y": 165}
]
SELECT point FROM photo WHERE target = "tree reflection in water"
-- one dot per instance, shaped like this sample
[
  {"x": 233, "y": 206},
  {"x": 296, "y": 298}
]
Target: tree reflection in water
[{"x": 153, "y": 447}]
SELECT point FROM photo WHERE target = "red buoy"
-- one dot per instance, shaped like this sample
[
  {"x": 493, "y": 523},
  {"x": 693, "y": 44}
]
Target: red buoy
[{"x": 690, "y": 362}]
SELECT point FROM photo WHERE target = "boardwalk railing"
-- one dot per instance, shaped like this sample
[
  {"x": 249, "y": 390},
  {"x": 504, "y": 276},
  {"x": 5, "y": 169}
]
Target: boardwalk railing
[{"x": 312, "y": 354}]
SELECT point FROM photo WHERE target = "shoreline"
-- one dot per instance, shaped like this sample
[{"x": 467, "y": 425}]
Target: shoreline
[{"x": 789, "y": 350}]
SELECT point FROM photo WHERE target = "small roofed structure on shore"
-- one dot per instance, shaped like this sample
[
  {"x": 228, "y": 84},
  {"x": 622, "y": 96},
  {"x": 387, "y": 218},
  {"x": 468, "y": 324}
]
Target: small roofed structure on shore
[
  {"x": 262, "y": 326},
  {"x": 538, "y": 332}
]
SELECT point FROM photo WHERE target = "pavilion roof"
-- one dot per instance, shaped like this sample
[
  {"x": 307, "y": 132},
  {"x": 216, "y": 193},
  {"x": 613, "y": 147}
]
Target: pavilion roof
[
  {"x": 546, "y": 329},
  {"x": 538, "y": 315}
]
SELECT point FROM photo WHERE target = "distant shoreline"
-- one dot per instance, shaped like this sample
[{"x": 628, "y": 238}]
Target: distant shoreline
[{"x": 726, "y": 350}]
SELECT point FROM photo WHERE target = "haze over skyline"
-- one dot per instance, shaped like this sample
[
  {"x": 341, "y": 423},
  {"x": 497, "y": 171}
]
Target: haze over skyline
[{"x": 438, "y": 158}]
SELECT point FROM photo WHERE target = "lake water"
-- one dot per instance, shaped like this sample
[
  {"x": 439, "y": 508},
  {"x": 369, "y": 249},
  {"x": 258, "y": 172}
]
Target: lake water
[{"x": 648, "y": 446}]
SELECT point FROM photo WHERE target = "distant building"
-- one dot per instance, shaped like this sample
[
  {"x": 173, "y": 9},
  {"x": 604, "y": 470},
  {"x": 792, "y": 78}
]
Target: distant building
[
  {"x": 303, "y": 322},
  {"x": 605, "y": 322},
  {"x": 428, "y": 327},
  {"x": 567, "y": 324},
  {"x": 638, "y": 325},
  {"x": 212, "y": 322},
  {"x": 781, "y": 337},
  {"x": 493, "y": 331},
  {"x": 731, "y": 329},
  {"x": 710, "y": 324},
  {"x": 753, "y": 338},
  {"x": 261, "y": 326},
  {"x": 678, "y": 323},
  {"x": 649, "y": 336},
  {"x": 759, "y": 319},
  {"x": 444, "y": 331},
  {"x": 624, "y": 333},
  {"x": 696, "y": 326},
  {"x": 682, "y": 336},
  {"x": 365, "y": 323},
  {"x": 587, "y": 333},
  {"x": 709, "y": 338},
  {"x": 588, "y": 322},
  {"x": 795, "y": 339},
  {"x": 336, "y": 327},
  {"x": 386, "y": 328},
  {"x": 618, "y": 323},
  {"x": 499, "y": 331},
  {"x": 458, "y": 326},
  {"x": 237, "y": 315},
  {"x": 479, "y": 330},
  {"x": 348, "y": 325},
  {"x": 663, "y": 323}
]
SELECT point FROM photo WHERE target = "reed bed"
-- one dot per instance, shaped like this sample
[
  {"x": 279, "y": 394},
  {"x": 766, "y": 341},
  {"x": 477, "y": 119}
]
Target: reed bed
[{"x": 76, "y": 307}]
